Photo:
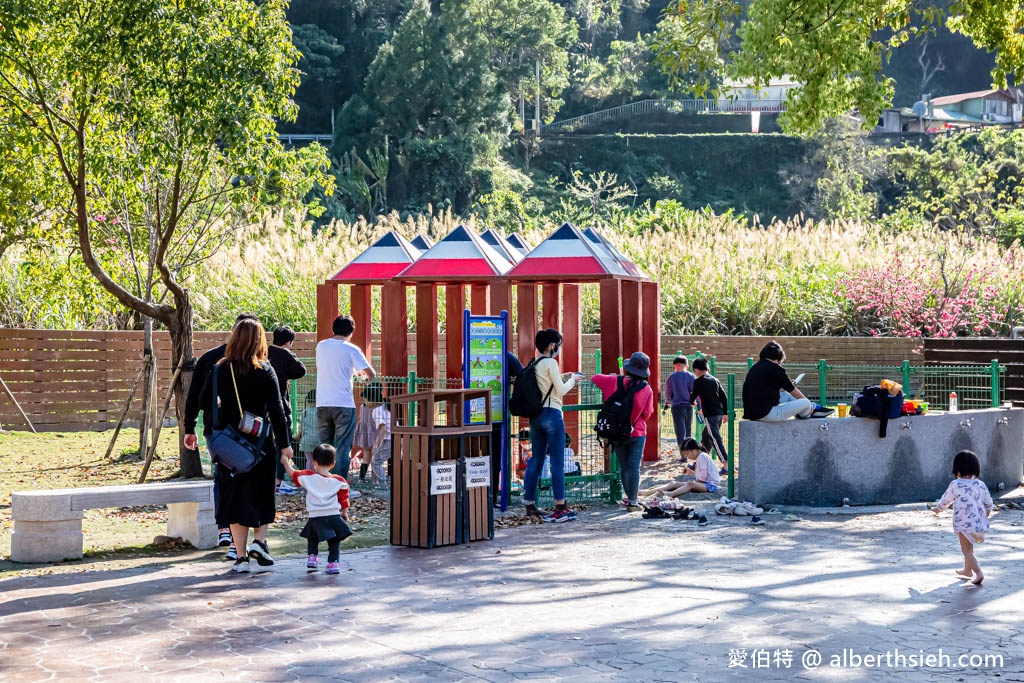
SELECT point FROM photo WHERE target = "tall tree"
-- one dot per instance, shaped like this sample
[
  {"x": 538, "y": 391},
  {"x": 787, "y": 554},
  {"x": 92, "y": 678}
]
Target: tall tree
[
  {"x": 835, "y": 48},
  {"x": 161, "y": 114}
]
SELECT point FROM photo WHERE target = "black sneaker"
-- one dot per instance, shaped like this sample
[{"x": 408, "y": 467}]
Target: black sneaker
[
  {"x": 261, "y": 553},
  {"x": 224, "y": 539},
  {"x": 232, "y": 554},
  {"x": 703, "y": 521}
]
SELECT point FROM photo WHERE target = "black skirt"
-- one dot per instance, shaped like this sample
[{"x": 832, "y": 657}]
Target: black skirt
[
  {"x": 248, "y": 499},
  {"x": 326, "y": 528}
]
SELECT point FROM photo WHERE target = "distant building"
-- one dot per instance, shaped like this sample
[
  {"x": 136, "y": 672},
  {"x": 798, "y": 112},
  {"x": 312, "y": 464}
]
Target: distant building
[
  {"x": 741, "y": 95},
  {"x": 965, "y": 110}
]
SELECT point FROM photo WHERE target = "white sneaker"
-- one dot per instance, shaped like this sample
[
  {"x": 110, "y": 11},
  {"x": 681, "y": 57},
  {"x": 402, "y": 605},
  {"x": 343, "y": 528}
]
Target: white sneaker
[
  {"x": 241, "y": 566},
  {"x": 748, "y": 509},
  {"x": 353, "y": 494}
]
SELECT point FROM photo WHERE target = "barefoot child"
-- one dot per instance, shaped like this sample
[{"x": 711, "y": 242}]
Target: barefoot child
[
  {"x": 705, "y": 474},
  {"x": 972, "y": 504},
  {"x": 327, "y": 505}
]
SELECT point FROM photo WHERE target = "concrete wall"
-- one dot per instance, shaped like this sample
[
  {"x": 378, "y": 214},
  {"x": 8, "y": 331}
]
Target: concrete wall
[{"x": 820, "y": 462}]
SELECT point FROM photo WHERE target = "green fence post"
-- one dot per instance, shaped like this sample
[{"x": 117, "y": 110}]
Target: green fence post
[
  {"x": 412, "y": 382},
  {"x": 750, "y": 363},
  {"x": 620, "y": 365},
  {"x": 995, "y": 383},
  {"x": 615, "y": 483},
  {"x": 822, "y": 382},
  {"x": 730, "y": 458},
  {"x": 713, "y": 366},
  {"x": 597, "y": 362},
  {"x": 295, "y": 405},
  {"x": 906, "y": 377}
]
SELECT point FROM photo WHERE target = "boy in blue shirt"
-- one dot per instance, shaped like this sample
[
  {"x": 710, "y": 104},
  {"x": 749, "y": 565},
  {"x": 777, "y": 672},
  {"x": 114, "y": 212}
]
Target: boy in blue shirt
[{"x": 678, "y": 387}]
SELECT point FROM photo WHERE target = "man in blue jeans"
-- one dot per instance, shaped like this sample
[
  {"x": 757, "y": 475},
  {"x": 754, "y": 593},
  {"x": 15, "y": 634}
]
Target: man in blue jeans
[
  {"x": 678, "y": 387},
  {"x": 337, "y": 360}
]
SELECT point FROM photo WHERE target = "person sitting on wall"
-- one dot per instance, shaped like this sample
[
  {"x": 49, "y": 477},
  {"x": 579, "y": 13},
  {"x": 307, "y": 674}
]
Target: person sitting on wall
[{"x": 761, "y": 389}]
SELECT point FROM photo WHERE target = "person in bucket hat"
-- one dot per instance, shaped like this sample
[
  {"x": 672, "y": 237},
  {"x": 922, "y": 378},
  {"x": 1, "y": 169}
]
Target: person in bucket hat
[{"x": 630, "y": 452}]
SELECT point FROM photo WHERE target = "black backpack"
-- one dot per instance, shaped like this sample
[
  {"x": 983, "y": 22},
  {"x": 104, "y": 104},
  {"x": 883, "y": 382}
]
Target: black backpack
[
  {"x": 877, "y": 403},
  {"x": 526, "y": 400},
  {"x": 613, "y": 421}
]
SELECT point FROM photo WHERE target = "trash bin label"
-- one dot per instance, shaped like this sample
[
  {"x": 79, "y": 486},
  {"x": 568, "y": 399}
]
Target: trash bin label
[
  {"x": 478, "y": 472},
  {"x": 442, "y": 478}
]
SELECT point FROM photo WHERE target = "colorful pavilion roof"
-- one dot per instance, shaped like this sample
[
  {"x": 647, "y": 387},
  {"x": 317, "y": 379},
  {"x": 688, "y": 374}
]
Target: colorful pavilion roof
[
  {"x": 567, "y": 254},
  {"x": 501, "y": 245},
  {"x": 597, "y": 238},
  {"x": 517, "y": 241},
  {"x": 459, "y": 255},
  {"x": 422, "y": 242},
  {"x": 382, "y": 260}
]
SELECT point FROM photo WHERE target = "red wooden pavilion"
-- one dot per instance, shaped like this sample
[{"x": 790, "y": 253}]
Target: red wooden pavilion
[{"x": 630, "y": 317}]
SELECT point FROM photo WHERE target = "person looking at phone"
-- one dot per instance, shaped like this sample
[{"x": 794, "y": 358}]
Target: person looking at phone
[{"x": 547, "y": 430}]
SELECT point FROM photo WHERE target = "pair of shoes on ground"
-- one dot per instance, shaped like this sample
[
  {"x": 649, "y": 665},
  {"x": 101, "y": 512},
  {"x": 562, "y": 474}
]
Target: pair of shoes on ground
[
  {"x": 682, "y": 513},
  {"x": 313, "y": 562}
]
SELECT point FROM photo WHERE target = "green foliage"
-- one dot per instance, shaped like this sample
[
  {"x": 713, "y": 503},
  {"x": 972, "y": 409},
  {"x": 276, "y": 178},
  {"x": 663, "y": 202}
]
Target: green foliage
[
  {"x": 968, "y": 182},
  {"x": 837, "y": 50}
]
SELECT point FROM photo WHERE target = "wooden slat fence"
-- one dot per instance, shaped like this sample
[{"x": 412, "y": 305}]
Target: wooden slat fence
[
  {"x": 79, "y": 380},
  {"x": 983, "y": 350}
]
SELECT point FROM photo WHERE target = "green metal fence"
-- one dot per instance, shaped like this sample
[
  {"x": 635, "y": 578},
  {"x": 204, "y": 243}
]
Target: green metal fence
[{"x": 594, "y": 484}]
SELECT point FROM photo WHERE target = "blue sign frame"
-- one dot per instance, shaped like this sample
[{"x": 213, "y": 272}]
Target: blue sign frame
[{"x": 499, "y": 409}]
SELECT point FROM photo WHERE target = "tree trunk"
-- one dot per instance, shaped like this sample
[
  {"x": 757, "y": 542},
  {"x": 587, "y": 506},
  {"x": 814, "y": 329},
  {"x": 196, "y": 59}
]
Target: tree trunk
[
  {"x": 180, "y": 328},
  {"x": 148, "y": 384}
]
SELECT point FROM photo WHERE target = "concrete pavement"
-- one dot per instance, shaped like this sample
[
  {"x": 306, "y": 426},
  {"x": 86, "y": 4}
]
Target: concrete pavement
[{"x": 611, "y": 597}]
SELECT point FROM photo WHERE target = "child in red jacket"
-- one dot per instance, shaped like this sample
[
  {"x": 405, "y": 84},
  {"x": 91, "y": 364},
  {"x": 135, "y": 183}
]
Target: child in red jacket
[{"x": 327, "y": 505}]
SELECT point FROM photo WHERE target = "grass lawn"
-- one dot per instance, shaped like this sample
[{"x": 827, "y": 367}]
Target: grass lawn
[{"x": 120, "y": 537}]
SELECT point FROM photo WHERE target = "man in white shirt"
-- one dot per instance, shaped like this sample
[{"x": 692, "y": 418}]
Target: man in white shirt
[{"x": 337, "y": 360}]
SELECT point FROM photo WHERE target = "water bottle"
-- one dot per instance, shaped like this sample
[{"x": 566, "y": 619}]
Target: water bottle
[{"x": 952, "y": 402}]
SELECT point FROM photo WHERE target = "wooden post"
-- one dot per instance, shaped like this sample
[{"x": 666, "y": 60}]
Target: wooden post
[
  {"x": 651, "y": 345},
  {"x": 631, "y": 317},
  {"x": 455, "y": 304},
  {"x": 611, "y": 325},
  {"x": 526, "y": 320},
  {"x": 326, "y": 309},
  {"x": 394, "y": 330},
  {"x": 426, "y": 330},
  {"x": 572, "y": 353},
  {"x": 480, "y": 299},
  {"x": 551, "y": 306},
  {"x": 362, "y": 314},
  {"x": 501, "y": 297}
]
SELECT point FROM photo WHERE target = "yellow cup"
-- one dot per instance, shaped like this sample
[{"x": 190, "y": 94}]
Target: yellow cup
[{"x": 843, "y": 409}]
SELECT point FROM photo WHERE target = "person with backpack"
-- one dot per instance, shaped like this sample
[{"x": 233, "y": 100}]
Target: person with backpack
[
  {"x": 538, "y": 396},
  {"x": 629, "y": 403}
]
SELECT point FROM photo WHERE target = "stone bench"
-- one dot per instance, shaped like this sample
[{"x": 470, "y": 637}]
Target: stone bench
[
  {"x": 48, "y": 524},
  {"x": 821, "y": 462}
]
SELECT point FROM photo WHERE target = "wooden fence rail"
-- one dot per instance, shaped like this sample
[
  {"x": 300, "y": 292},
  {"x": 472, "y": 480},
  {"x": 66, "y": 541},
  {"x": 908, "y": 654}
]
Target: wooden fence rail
[{"x": 79, "y": 380}]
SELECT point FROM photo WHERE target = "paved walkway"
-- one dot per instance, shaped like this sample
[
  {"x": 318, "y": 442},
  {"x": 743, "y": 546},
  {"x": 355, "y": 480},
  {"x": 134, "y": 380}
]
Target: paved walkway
[{"x": 611, "y": 597}]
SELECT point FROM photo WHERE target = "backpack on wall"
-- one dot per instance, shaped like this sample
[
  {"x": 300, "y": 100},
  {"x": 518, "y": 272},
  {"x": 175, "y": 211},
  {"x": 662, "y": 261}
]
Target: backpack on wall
[
  {"x": 526, "y": 400},
  {"x": 613, "y": 422},
  {"x": 876, "y": 402}
]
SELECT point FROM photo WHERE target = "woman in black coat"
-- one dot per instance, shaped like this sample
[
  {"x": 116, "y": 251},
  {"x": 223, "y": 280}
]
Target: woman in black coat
[{"x": 246, "y": 383}]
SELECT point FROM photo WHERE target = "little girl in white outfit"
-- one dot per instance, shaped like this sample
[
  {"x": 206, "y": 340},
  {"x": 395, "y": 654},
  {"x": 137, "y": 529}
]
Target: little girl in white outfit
[{"x": 972, "y": 504}]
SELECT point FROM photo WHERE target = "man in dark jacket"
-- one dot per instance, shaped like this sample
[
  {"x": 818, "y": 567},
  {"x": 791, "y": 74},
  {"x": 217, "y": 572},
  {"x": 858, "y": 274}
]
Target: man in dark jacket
[
  {"x": 712, "y": 401},
  {"x": 286, "y": 367}
]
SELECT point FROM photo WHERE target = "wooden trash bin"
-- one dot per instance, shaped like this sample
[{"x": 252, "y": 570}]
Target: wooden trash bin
[{"x": 439, "y": 495}]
